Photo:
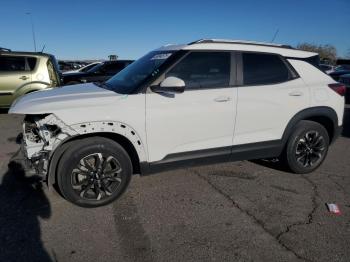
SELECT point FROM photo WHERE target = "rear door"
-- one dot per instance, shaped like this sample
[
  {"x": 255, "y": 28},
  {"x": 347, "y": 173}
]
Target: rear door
[
  {"x": 200, "y": 121},
  {"x": 269, "y": 95},
  {"x": 14, "y": 74}
]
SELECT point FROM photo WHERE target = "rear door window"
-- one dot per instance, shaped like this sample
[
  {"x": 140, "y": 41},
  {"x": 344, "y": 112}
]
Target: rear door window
[
  {"x": 12, "y": 63},
  {"x": 264, "y": 69},
  {"x": 204, "y": 70}
]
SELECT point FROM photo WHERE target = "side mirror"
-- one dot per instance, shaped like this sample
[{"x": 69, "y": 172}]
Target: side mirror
[{"x": 170, "y": 84}]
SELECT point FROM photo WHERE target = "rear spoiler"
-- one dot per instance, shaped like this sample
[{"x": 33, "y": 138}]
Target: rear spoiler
[{"x": 313, "y": 60}]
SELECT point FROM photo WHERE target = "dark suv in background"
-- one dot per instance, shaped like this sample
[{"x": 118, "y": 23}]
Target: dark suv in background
[{"x": 99, "y": 73}]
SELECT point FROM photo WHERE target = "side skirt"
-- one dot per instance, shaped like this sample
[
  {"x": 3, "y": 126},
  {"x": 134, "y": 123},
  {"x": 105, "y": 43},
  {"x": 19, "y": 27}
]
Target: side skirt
[{"x": 214, "y": 156}]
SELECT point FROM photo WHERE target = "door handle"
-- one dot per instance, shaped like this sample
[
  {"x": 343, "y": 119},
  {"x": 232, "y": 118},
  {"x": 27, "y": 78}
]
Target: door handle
[
  {"x": 296, "y": 93},
  {"x": 222, "y": 99},
  {"x": 24, "y": 77}
]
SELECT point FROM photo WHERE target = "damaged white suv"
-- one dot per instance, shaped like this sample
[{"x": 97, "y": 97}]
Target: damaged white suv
[{"x": 205, "y": 102}]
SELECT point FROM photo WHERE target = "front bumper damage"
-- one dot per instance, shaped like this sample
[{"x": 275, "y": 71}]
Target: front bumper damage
[{"x": 42, "y": 134}]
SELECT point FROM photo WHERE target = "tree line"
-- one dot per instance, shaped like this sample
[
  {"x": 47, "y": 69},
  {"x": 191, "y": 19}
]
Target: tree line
[{"x": 328, "y": 53}]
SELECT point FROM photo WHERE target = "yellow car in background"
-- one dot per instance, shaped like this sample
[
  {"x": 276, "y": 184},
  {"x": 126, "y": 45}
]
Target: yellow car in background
[{"x": 25, "y": 72}]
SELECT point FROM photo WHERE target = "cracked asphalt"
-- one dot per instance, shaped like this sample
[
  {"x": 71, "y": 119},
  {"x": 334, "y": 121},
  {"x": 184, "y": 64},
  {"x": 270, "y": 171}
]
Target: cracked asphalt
[{"x": 242, "y": 211}]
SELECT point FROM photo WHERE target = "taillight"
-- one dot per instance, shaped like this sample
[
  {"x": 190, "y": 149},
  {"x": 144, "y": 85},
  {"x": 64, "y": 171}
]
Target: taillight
[{"x": 338, "y": 88}]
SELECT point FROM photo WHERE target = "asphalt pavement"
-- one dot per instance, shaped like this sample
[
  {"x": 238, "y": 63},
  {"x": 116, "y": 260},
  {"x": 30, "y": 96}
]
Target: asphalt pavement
[{"x": 242, "y": 211}]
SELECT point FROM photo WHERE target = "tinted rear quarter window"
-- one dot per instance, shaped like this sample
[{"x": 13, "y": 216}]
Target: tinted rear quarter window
[
  {"x": 203, "y": 70},
  {"x": 31, "y": 63},
  {"x": 264, "y": 69},
  {"x": 52, "y": 73},
  {"x": 12, "y": 63}
]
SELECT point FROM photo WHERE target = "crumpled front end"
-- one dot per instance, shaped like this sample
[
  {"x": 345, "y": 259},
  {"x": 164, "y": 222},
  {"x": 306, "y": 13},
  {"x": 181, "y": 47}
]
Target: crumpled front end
[{"x": 42, "y": 134}]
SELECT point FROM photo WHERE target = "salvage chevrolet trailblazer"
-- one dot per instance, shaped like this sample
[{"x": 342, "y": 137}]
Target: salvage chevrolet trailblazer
[{"x": 205, "y": 102}]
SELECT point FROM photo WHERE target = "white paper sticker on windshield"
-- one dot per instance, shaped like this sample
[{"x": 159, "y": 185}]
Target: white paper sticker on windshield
[{"x": 161, "y": 56}]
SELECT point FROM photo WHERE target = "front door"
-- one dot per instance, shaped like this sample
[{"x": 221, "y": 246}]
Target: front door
[{"x": 200, "y": 118}]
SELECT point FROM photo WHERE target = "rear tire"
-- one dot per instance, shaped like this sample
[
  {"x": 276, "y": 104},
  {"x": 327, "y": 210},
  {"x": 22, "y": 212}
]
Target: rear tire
[
  {"x": 94, "y": 172},
  {"x": 306, "y": 148}
]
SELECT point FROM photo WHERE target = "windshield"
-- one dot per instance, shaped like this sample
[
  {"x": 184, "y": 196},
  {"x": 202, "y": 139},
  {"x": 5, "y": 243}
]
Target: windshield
[{"x": 133, "y": 75}]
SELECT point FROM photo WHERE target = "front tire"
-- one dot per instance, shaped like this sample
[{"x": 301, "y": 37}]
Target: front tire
[
  {"x": 306, "y": 148},
  {"x": 94, "y": 172}
]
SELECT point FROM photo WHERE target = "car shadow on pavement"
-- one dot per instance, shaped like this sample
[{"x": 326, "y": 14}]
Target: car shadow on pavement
[
  {"x": 22, "y": 203},
  {"x": 271, "y": 163}
]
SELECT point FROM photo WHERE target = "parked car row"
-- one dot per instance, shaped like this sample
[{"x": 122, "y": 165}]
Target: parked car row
[
  {"x": 70, "y": 65},
  {"x": 340, "y": 73},
  {"x": 83, "y": 68},
  {"x": 98, "y": 73},
  {"x": 327, "y": 68}
]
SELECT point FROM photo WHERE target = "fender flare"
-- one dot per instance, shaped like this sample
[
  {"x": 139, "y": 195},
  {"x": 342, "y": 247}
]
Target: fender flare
[
  {"x": 54, "y": 159},
  {"x": 319, "y": 111},
  {"x": 91, "y": 129}
]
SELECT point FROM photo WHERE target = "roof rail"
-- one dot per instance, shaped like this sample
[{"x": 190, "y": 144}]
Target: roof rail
[
  {"x": 5, "y": 49},
  {"x": 227, "y": 41}
]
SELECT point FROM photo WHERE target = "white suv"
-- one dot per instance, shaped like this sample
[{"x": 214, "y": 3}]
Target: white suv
[{"x": 205, "y": 102}]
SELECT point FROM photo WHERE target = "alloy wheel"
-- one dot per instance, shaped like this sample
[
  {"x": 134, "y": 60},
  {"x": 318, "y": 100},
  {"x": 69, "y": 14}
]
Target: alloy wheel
[
  {"x": 96, "y": 177},
  {"x": 310, "y": 149}
]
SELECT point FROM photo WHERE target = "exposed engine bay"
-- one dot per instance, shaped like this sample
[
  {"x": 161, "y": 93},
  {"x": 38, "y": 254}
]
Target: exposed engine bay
[{"x": 41, "y": 135}]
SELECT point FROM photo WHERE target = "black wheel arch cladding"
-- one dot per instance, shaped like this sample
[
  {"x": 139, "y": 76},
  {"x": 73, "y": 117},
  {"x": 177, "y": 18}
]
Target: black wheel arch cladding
[{"x": 323, "y": 115}]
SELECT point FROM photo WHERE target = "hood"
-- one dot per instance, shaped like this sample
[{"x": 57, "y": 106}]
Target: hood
[{"x": 63, "y": 98}]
